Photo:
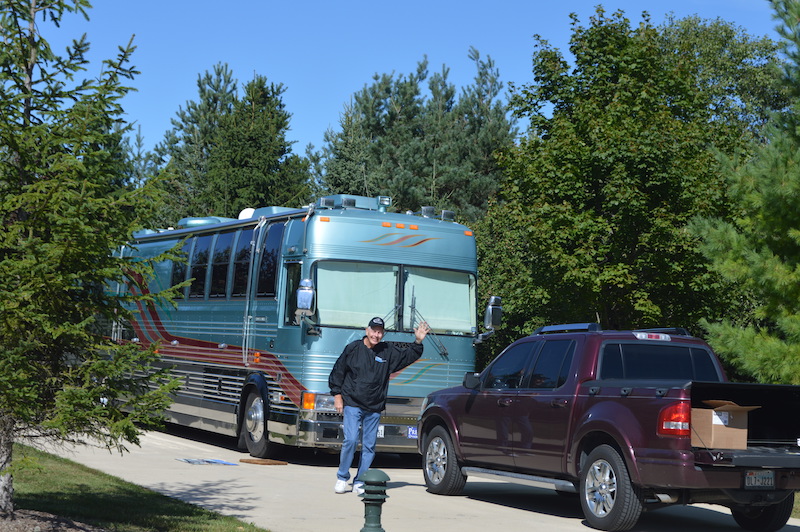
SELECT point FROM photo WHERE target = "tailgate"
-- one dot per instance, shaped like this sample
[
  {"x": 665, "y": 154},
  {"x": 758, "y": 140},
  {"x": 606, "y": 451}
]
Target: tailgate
[{"x": 783, "y": 457}]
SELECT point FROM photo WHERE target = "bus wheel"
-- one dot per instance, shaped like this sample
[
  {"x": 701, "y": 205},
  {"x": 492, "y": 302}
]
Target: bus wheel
[{"x": 255, "y": 425}]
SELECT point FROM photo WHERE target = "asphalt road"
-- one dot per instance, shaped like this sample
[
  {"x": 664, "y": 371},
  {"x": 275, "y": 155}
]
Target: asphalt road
[{"x": 298, "y": 496}]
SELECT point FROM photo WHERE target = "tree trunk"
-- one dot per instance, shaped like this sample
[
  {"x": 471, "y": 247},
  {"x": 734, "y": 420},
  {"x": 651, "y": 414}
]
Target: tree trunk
[{"x": 6, "y": 481}]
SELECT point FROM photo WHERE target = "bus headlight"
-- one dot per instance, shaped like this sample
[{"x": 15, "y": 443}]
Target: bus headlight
[{"x": 318, "y": 401}]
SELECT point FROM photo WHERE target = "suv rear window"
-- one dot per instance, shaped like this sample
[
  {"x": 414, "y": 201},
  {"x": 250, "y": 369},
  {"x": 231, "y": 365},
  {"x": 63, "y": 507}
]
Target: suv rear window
[{"x": 646, "y": 361}]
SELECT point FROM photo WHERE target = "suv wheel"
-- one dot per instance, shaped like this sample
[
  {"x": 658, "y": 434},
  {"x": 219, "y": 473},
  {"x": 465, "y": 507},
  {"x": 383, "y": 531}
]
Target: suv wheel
[
  {"x": 439, "y": 465},
  {"x": 608, "y": 498},
  {"x": 764, "y": 518}
]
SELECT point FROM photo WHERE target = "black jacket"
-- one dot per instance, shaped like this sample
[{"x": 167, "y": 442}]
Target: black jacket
[{"x": 361, "y": 374}]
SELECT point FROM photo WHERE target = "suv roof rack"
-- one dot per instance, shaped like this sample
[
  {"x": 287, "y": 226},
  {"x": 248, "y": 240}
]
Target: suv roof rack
[
  {"x": 666, "y": 330},
  {"x": 568, "y": 327}
]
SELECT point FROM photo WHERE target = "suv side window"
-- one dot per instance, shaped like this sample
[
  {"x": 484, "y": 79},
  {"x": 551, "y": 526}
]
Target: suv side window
[
  {"x": 552, "y": 364},
  {"x": 507, "y": 371}
]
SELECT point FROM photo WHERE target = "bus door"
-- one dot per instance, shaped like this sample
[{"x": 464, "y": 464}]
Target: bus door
[
  {"x": 247, "y": 315},
  {"x": 261, "y": 308}
]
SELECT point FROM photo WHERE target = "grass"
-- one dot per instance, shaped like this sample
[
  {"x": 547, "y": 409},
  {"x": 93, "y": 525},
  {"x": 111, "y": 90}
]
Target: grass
[{"x": 55, "y": 485}]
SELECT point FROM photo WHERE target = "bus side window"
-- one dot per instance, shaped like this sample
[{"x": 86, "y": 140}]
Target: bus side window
[
  {"x": 269, "y": 261},
  {"x": 199, "y": 266},
  {"x": 179, "y": 269},
  {"x": 292, "y": 282},
  {"x": 220, "y": 259},
  {"x": 241, "y": 262}
]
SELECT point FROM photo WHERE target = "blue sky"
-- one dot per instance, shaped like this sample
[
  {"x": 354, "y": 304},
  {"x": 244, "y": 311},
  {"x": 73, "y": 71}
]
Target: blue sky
[{"x": 324, "y": 51}]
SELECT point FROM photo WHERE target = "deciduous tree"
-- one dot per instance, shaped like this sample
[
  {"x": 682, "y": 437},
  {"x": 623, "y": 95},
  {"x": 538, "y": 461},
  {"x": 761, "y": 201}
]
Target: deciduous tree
[{"x": 620, "y": 156}]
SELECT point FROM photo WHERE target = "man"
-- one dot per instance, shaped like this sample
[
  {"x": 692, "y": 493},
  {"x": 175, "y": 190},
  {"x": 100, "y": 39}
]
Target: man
[{"x": 359, "y": 382}]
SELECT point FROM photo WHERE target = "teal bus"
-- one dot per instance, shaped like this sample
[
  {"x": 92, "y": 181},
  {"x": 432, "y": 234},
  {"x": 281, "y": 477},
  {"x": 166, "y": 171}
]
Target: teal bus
[{"x": 272, "y": 298}]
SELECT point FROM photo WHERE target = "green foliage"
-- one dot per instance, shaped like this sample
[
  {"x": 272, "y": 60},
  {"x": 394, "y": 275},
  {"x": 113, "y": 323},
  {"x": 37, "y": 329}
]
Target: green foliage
[
  {"x": 435, "y": 150},
  {"x": 759, "y": 247},
  {"x": 620, "y": 156},
  {"x": 227, "y": 152},
  {"x": 64, "y": 206}
]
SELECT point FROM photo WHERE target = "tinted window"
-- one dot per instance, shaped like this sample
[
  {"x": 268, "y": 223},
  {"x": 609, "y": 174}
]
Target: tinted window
[
  {"x": 179, "y": 269},
  {"x": 651, "y": 361},
  {"x": 552, "y": 364},
  {"x": 611, "y": 362},
  {"x": 563, "y": 375},
  {"x": 241, "y": 263},
  {"x": 509, "y": 368},
  {"x": 645, "y": 361},
  {"x": 269, "y": 261},
  {"x": 220, "y": 260},
  {"x": 704, "y": 367},
  {"x": 199, "y": 265}
]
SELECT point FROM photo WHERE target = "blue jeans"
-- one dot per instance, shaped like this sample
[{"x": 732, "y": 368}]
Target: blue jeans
[{"x": 368, "y": 421}]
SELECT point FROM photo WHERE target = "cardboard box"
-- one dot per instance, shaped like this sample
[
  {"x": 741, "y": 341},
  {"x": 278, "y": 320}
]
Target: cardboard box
[{"x": 722, "y": 426}]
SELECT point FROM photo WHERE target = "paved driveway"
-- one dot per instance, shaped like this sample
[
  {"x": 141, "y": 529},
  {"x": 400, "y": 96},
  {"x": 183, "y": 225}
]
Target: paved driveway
[{"x": 299, "y": 497}]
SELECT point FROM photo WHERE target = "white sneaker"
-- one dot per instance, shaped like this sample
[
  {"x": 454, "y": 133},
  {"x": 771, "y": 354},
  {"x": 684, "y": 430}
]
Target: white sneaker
[
  {"x": 341, "y": 486},
  {"x": 358, "y": 488}
]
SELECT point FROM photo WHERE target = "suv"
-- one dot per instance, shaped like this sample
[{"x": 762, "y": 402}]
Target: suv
[{"x": 608, "y": 414}]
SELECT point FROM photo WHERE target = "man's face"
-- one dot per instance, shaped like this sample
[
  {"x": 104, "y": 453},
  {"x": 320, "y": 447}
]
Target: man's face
[{"x": 374, "y": 336}]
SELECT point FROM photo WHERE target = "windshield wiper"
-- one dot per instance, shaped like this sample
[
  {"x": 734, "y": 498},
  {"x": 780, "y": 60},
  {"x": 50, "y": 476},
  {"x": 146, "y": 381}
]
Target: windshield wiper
[{"x": 415, "y": 313}]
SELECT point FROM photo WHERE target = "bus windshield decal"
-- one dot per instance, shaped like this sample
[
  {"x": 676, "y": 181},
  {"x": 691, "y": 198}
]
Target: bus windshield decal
[{"x": 420, "y": 373}]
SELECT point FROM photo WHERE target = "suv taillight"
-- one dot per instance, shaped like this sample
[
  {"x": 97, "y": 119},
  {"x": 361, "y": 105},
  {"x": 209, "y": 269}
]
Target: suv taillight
[{"x": 675, "y": 420}]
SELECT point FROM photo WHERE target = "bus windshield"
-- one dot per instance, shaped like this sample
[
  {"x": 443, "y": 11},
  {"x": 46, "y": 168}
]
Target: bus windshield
[{"x": 349, "y": 294}]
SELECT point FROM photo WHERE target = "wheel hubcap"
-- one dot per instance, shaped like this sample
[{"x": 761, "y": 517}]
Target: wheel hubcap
[
  {"x": 254, "y": 419},
  {"x": 436, "y": 460},
  {"x": 600, "y": 488}
]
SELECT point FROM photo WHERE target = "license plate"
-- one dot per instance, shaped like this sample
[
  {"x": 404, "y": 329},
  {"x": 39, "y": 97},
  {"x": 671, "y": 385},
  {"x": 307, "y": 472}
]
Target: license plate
[{"x": 759, "y": 480}]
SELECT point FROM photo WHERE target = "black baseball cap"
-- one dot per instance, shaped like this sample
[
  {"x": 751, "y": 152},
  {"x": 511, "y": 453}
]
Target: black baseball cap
[{"x": 376, "y": 322}]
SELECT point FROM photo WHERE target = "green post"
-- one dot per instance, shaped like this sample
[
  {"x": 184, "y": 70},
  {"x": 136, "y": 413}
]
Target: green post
[{"x": 374, "y": 496}]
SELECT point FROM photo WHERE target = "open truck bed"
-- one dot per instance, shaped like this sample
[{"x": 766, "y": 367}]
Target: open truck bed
[{"x": 773, "y": 429}]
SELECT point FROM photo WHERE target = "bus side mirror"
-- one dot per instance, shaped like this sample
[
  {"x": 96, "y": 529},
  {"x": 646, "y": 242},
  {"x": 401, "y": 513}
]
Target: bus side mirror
[
  {"x": 492, "y": 318},
  {"x": 305, "y": 307},
  {"x": 305, "y": 296}
]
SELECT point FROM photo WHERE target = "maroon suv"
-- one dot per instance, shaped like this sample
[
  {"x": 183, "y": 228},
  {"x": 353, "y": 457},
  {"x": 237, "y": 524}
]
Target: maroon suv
[{"x": 608, "y": 414}]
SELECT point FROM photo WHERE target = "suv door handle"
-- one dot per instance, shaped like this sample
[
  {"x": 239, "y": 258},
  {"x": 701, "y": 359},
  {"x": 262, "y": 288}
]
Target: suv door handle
[
  {"x": 559, "y": 403},
  {"x": 504, "y": 401}
]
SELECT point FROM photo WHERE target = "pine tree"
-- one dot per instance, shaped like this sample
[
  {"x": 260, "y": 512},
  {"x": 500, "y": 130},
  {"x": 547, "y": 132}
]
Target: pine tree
[
  {"x": 346, "y": 158},
  {"x": 759, "y": 247},
  {"x": 64, "y": 206},
  {"x": 435, "y": 149},
  {"x": 251, "y": 163},
  {"x": 227, "y": 152},
  {"x": 183, "y": 154}
]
